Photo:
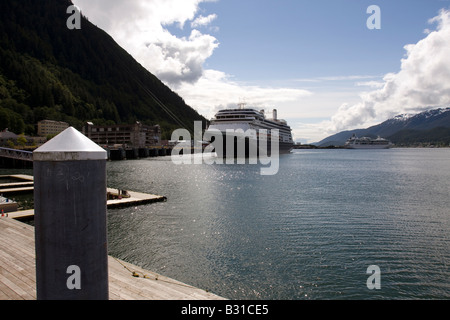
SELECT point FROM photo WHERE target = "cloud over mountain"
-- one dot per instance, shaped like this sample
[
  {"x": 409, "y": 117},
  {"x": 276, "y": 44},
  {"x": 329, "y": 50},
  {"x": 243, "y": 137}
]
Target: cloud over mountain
[
  {"x": 140, "y": 27},
  {"x": 423, "y": 82}
]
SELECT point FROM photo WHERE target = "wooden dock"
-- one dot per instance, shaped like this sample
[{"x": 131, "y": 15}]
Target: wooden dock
[
  {"x": 26, "y": 185},
  {"x": 126, "y": 281},
  {"x": 22, "y": 177},
  {"x": 136, "y": 198},
  {"x": 16, "y": 190},
  {"x": 23, "y": 183}
]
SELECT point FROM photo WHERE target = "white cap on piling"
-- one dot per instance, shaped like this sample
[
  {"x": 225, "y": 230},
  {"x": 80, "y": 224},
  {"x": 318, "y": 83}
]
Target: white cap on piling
[{"x": 69, "y": 145}]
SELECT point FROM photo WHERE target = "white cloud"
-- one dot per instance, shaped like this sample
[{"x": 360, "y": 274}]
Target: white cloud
[
  {"x": 373, "y": 84},
  {"x": 203, "y": 21},
  {"x": 216, "y": 90},
  {"x": 176, "y": 60},
  {"x": 140, "y": 27},
  {"x": 423, "y": 82},
  {"x": 335, "y": 78}
]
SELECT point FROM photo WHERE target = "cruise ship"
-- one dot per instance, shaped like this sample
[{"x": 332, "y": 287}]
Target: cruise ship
[
  {"x": 249, "y": 118},
  {"x": 367, "y": 143}
]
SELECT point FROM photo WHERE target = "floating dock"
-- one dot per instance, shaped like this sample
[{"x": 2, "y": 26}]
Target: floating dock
[
  {"x": 16, "y": 184},
  {"x": 134, "y": 198},
  {"x": 7, "y": 205},
  {"x": 126, "y": 281},
  {"x": 118, "y": 198}
]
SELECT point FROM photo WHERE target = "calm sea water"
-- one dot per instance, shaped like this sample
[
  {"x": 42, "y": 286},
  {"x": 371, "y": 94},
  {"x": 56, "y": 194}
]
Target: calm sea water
[{"x": 309, "y": 232}]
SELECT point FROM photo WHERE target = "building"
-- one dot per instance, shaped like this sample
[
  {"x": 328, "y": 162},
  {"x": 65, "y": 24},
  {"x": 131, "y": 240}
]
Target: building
[
  {"x": 135, "y": 135},
  {"x": 50, "y": 127},
  {"x": 10, "y": 140},
  {"x": 6, "y": 135}
]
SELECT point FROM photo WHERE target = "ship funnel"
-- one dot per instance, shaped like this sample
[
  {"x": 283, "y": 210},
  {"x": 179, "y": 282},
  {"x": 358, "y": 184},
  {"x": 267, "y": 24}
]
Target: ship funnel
[{"x": 274, "y": 114}]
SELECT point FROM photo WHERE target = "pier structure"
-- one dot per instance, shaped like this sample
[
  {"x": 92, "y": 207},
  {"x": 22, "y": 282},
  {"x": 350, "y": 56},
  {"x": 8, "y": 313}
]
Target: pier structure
[
  {"x": 12, "y": 158},
  {"x": 25, "y": 184},
  {"x": 70, "y": 218},
  {"x": 126, "y": 281},
  {"x": 24, "y": 159},
  {"x": 65, "y": 255},
  {"x": 16, "y": 154}
]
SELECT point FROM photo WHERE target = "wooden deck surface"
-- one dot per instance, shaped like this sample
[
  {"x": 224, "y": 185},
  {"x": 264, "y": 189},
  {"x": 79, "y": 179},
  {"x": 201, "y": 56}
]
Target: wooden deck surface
[
  {"x": 19, "y": 177},
  {"x": 135, "y": 199},
  {"x": 16, "y": 190},
  {"x": 18, "y": 278}
]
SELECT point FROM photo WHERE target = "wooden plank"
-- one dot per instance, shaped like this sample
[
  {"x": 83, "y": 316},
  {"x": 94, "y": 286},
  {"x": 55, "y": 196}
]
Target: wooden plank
[
  {"x": 18, "y": 278},
  {"x": 21, "y": 255},
  {"x": 16, "y": 184},
  {"x": 17, "y": 190},
  {"x": 7, "y": 293},
  {"x": 135, "y": 198},
  {"x": 141, "y": 287},
  {"x": 21, "y": 177},
  {"x": 24, "y": 214},
  {"x": 164, "y": 287},
  {"x": 17, "y": 288}
]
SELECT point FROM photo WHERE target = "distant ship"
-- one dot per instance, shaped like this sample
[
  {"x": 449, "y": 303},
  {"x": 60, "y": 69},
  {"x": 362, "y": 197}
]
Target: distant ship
[
  {"x": 367, "y": 143},
  {"x": 248, "y": 118}
]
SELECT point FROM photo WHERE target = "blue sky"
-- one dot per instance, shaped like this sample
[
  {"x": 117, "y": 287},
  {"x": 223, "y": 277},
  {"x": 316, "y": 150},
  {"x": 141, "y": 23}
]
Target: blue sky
[
  {"x": 289, "y": 39},
  {"x": 314, "y": 60}
]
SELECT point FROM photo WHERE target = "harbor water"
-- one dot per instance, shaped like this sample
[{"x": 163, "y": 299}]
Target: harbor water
[{"x": 309, "y": 232}]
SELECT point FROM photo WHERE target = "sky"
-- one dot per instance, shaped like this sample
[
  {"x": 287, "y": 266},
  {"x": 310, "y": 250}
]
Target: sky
[{"x": 316, "y": 61}]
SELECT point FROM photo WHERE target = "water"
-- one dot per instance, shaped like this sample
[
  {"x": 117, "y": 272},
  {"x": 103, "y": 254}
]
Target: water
[{"x": 309, "y": 232}]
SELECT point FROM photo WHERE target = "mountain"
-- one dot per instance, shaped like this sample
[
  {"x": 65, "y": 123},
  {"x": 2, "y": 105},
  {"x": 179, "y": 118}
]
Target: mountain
[
  {"x": 50, "y": 72},
  {"x": 432, "y": 126}
]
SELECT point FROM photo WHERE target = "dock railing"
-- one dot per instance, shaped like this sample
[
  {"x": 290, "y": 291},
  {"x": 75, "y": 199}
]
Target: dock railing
[{"x": 16, "y": 154}]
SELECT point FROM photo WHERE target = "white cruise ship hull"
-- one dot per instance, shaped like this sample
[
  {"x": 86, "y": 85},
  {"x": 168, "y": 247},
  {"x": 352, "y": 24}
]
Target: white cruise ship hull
[
  {"x": 359, "y": 146},
  {"x": 235, "y": 146},
  {"x": 247, "y": 133},
  {"x": 367, "y": 143}
]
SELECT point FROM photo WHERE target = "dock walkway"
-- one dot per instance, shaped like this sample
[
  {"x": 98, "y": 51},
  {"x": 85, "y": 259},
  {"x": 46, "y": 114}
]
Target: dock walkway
[
  {"x": 136, "y": 198},
  {"x": 126, "y": 281},
  {"x": 26, "y": 186}
]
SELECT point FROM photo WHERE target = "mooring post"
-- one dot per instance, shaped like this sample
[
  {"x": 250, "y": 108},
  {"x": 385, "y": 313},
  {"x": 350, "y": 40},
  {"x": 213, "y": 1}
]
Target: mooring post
[{"x": 70, "y": 218}]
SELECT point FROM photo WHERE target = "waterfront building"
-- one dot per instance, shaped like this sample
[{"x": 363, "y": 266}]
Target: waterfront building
[
  {"x": 6, "y": 135},
  {"x": 50, "y": 127},
  {"x": 135, "y": 135}
]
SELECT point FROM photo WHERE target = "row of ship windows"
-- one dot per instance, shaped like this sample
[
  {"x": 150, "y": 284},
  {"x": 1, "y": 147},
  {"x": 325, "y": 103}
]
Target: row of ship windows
[{"x": 236, "y": 117}]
